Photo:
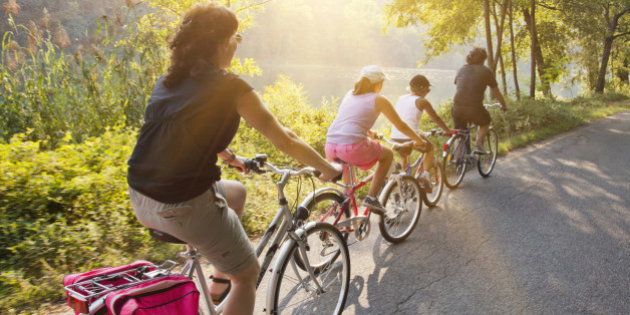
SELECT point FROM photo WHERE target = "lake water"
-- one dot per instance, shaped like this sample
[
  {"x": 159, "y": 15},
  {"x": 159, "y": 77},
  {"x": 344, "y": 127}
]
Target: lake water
[{"x": 334, "y": 81}]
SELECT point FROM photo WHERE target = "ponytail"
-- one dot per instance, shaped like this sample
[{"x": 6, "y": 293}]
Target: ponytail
[{"x": 363, "y": 86}]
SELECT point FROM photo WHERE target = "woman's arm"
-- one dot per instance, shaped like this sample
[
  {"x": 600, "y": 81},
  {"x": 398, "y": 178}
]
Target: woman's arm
[
  {"x": 251, "y": 108},
  {"x": 385, "y": 107},
  {"x": 424, "y": 105},
  {"x": 497, "y": 93}
]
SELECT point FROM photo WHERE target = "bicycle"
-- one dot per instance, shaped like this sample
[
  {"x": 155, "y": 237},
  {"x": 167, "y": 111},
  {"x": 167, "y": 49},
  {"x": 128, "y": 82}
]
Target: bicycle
[
  {"x": 457, "y": 154},
  {"x": 401, "y": 196},
  {"x": 300, "y": 281},
  {"x": 414, "y": 169}
]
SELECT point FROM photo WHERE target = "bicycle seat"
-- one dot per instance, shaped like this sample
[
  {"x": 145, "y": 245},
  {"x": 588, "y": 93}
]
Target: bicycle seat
[{"x": 164, "y": 237}]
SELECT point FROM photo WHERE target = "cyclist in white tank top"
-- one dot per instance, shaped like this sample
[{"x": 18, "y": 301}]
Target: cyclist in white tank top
[
  {"x": 410, "y": 108},
  {"x": 409, "y": 113},
  {"x": 347, "y": 137}
]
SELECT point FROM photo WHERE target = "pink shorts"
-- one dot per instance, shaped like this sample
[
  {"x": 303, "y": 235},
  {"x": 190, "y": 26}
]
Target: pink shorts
[{"x": 362, "y": 154}]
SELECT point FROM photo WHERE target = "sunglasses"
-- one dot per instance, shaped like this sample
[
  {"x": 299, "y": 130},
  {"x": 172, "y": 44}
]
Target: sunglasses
[{"x": 239, "y": 38}]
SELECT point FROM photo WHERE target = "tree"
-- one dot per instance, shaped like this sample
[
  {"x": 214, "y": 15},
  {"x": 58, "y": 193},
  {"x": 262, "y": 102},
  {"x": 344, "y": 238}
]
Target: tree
[{"x": 599, "y": 23}]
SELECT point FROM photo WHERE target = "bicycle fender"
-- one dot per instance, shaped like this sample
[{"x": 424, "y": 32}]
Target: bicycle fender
[
  {"x": 275, "y": 272},
  {"x": 309, "y": 199}
]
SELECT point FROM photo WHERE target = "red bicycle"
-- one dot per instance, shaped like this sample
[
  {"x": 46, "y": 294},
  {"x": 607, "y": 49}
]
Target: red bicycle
[{"x": 401, "y": 196}]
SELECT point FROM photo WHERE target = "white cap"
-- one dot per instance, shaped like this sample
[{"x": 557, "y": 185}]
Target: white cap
[{"x": 373, "y": 73}]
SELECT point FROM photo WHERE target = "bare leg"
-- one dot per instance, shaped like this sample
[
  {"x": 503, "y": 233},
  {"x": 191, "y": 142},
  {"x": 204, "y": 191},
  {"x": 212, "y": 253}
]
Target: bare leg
[
  {"x": 235, "y": 197},
  {"x": 243, "y": 293},
  {"x": 384, "y": 162},
  {"x": 427, "y": 163},
  {"x": 482, "y": 131}
]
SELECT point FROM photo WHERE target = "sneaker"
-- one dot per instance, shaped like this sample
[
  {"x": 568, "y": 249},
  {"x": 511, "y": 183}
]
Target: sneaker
[
  {"x": 478, "y": 150},
  {"x": 374, "y": 205},
  {"x": 425, "y": 183}
]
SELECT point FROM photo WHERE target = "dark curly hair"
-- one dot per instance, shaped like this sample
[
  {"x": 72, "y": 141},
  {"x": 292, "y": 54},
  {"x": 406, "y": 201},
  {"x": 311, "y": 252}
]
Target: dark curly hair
[
  {"x": 476, "y": 56},
  {"x": 204, "y": 26}
]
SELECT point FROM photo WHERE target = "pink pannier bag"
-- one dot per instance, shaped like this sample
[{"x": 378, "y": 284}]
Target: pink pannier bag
[
  {"x": 162, "y": 296},
  {"x": 83, "y": 289}
]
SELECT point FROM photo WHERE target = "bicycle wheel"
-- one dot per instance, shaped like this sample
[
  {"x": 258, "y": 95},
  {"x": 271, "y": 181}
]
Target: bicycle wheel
[
  {"x": 296, "y": 292},
  {"x": 437, "y": 183},
  {"x": 402, "y": 198},
  {"x": 486, "y": 162},
  {"x": 454, "y": 164},
  {"x": 328, "y": 204}
]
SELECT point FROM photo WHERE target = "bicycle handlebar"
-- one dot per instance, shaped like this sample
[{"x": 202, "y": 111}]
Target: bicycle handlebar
[
  {"x": 259, "y": 162},
  {"x": 492, "y": 105}
]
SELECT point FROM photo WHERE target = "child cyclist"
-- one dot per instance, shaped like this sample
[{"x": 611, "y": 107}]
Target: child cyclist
[
  {"x": 347, "y": 137},
  {"x": 410, "y": 108}
]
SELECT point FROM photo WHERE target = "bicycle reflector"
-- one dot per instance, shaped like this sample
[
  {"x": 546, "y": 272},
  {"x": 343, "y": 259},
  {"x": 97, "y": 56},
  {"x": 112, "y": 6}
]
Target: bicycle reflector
[
  {"x": 445, "y": 147},
  {"x": 78, "y": 304}
]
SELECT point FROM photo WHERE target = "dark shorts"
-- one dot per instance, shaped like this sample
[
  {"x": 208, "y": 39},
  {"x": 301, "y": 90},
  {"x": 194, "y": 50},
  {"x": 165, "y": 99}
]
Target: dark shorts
[{"x": 462, "y": 115}]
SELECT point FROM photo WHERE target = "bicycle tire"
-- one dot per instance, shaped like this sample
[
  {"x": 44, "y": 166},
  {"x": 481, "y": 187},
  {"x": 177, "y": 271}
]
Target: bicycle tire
[
  {"x": 321, "y": 204},
  {"x": 454, "y": 167},
  {"x": 402, "y": 198},
  {"x": 294, "y": 290},
  {"x": 437, "y": 181},
  {"x": 486, "y": 162}
]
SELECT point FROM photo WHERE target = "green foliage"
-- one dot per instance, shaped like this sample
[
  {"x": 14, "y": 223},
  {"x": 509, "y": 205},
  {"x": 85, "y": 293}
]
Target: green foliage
[
  {"x": 106, "y": 82},
  {"x": 63, "y": 211},
  {"x": 452, "y": 23},
  {"x": 103, "y": 84}
]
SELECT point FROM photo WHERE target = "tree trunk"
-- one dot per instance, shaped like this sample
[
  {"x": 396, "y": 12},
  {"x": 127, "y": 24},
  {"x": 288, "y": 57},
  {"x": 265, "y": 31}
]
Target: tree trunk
[
  {"x": 537, "y": 55},
  {"x": 503, "y": 79},
  {"x": 499, "y": 24},
  {"x": 622, "y": 73},
  {"x": 601, "y": 77},
  {"x": 486, "y": 9},
  {"x": 517, "y": 89},
  {"x": 531, "y": 23}
]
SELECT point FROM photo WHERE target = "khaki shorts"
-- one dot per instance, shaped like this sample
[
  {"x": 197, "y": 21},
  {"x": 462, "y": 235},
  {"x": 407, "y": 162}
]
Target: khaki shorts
[{"x": 204, "y": 222}]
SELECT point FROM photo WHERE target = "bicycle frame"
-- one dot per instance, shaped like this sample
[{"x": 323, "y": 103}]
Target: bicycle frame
[
  {"x": 281, "y": 228},
  {"x": 463, "y": 146}
]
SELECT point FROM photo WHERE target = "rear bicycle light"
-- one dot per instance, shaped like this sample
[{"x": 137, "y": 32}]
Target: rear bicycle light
[{"x": 78, "y": 304}]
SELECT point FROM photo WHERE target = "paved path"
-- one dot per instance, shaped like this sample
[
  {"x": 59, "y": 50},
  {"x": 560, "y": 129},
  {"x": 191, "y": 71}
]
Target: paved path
[{"x": 547, "y": 232}]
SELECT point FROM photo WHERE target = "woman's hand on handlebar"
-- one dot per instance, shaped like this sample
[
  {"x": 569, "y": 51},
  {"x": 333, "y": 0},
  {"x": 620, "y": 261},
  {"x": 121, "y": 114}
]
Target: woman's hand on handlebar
[{"x": 239, "y": 164}]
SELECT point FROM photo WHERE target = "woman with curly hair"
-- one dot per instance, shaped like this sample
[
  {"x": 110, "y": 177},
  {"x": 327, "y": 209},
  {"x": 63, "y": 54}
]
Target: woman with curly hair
[{"x": 192, "y": 116}]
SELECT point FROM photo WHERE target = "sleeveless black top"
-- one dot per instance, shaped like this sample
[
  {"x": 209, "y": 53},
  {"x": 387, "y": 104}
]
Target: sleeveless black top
[{"x": 185, "y": 127}]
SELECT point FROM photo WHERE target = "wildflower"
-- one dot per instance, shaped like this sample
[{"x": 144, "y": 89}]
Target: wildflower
[
  {"x": 119, "y": 19},
  {"x": 34, "y": 36},
  {"x": 13, "y": 45},
  {"x": 10, "y": 7},
  {"x": 78, "y": 54},
  {"x": 131, "y": 3},
  {"x": 61, "y": 38},
  {"x": 44, "y": 22},
  {"x": 96, "y": 52}
]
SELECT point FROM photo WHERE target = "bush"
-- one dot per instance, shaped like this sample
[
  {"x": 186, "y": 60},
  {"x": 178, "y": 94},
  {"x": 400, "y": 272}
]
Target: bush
[{"x": 63, "y": 211}]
